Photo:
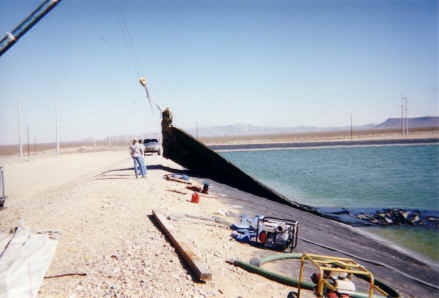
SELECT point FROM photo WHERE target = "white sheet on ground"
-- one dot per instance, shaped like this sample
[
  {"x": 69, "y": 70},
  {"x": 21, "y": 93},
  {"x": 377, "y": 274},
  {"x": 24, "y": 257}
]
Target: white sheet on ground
[{"x": 24, "y": 262}]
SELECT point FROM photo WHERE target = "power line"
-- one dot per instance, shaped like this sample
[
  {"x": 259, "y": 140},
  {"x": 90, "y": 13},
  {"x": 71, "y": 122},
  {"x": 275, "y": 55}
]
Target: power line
[{"x": 129, "y": 42}]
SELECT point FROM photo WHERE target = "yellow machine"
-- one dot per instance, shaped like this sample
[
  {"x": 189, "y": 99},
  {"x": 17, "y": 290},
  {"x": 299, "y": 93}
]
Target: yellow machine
[{"x": 335, "y": 274}]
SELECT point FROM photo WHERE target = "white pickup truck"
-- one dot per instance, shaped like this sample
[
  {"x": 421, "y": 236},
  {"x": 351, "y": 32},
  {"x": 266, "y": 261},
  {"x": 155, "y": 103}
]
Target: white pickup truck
[{"x": 152, "y": 146}]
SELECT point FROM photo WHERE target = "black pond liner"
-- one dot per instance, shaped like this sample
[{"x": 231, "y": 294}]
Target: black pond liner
[{"x": 202, "y": 160}]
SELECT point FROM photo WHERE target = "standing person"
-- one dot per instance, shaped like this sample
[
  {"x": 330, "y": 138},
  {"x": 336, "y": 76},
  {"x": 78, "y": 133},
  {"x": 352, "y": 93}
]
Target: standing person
[
  {"x": 137, "y": 156},
  {"x": 142, "y": 150}
]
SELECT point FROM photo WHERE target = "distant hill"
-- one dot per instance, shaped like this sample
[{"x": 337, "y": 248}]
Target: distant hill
[
  {"x": 248, "y": 129},
  {"x": 417, "y": 122}
]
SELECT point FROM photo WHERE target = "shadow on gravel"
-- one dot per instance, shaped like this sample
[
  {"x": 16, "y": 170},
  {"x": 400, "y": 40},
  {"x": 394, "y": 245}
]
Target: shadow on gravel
[
  {"x": 115, "y": 170},
  {"x": 150, "y": 167},
  {"x": 172, "y": 170},
  {"x": 114, "y": 174},
  {"x": 113, "y": 178}
]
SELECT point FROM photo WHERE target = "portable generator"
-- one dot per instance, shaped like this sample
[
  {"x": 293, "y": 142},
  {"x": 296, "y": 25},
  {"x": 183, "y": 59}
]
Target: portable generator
[{"x": 277, "y": 233}]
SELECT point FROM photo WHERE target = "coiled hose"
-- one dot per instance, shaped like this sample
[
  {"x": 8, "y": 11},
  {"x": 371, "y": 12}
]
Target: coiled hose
[{"x": 255, "y": 267}]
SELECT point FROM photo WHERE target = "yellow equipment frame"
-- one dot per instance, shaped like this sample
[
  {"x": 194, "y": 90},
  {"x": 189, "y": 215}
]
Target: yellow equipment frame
[{"x": 323, "y": 263}]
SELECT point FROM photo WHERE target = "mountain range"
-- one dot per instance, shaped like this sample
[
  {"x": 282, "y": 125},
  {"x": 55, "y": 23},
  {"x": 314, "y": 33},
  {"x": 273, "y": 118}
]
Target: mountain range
[
  {"x": 417, "y": 122},
  {"x": 248, "y": 129}
]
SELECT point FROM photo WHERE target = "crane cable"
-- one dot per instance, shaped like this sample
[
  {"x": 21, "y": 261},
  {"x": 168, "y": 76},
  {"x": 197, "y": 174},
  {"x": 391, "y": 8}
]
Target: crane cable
[{"x": 129, "y": 41}]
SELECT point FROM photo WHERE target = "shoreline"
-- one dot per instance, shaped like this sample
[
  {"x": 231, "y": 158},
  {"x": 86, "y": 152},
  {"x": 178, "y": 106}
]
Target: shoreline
[
  {"x": 323, "y": 144},
  {"x": 322, "y": 147},
  {"x": 389, "y": 243}
]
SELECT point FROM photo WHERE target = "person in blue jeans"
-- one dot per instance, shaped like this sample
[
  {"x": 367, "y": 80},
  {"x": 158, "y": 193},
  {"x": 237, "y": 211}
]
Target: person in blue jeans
[
  {"x": 142, "y": 150},
  {"x": 136, "y": 152}
]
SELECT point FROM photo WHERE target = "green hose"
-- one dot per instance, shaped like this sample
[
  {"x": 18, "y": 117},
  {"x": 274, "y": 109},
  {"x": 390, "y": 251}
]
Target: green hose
[
  {"x": 275, "y": 257},
  {"x": 274, "y": 276},
  {"x": 254, "y": 267}
]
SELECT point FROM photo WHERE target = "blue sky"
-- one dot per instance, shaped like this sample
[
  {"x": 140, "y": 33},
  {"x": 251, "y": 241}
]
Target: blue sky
[{"x": 274, "y": 63}]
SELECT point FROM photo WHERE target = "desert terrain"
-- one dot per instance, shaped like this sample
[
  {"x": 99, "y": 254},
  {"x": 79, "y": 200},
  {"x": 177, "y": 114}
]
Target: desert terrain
[{"x": 103, "y": 216}]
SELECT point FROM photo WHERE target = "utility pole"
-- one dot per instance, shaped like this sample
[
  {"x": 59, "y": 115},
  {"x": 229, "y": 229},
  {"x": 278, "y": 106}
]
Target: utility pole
[
  {"x": 20, "y": 144},
  {"x": 57, "y": 129},
  {"x": 351, "y": 126},
  {"x": 28, "y": 141},
  {"x": 404, "y": 116}
]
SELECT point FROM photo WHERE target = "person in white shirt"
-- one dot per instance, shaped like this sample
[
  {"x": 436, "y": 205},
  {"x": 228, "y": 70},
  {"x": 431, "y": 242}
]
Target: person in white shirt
[{"x": 136, "y": 152}]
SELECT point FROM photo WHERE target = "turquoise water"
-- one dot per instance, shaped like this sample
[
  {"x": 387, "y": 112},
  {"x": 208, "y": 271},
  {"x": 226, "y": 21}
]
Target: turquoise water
[
  {"x": 378, "y": 177},
  {"x": 422, "y": 241},
  {"x": 386, "y": 176}
]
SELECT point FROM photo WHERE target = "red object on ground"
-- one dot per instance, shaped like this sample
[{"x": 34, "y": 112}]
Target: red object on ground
[
  {"x": 262, "y": 237},
  {"x": 195, "y": 198}
]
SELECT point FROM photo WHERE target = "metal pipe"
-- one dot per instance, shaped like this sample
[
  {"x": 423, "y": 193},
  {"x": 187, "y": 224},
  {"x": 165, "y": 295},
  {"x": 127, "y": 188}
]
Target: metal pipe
[
  {"x": 22, "y": 30},
  {"x": 29, "y": 16}
]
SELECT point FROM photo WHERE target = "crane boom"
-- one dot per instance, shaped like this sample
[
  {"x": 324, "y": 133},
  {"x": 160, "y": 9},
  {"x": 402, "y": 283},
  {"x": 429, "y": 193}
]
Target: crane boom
[{"x": 11, "y": 38}]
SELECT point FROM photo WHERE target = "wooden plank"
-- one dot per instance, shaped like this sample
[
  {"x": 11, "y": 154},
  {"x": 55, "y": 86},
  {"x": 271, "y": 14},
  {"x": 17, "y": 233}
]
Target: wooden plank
[
  {"x": 170, "y": 178},
  {"x": 198, "y": 268}
]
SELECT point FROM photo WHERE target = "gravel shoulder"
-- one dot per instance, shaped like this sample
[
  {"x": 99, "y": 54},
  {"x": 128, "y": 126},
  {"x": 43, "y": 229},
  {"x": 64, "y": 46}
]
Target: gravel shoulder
[{"x": 103, "y": 215}]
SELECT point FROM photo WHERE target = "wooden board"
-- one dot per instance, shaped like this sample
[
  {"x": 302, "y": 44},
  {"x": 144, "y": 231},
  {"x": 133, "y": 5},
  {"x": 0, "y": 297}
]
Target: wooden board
[
  {"x": 199, "y": 269},
  {"x": 169, "y": 177}
]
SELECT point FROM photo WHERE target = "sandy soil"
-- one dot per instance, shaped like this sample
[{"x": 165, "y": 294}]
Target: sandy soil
[{"x": 103, "y": 215}]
